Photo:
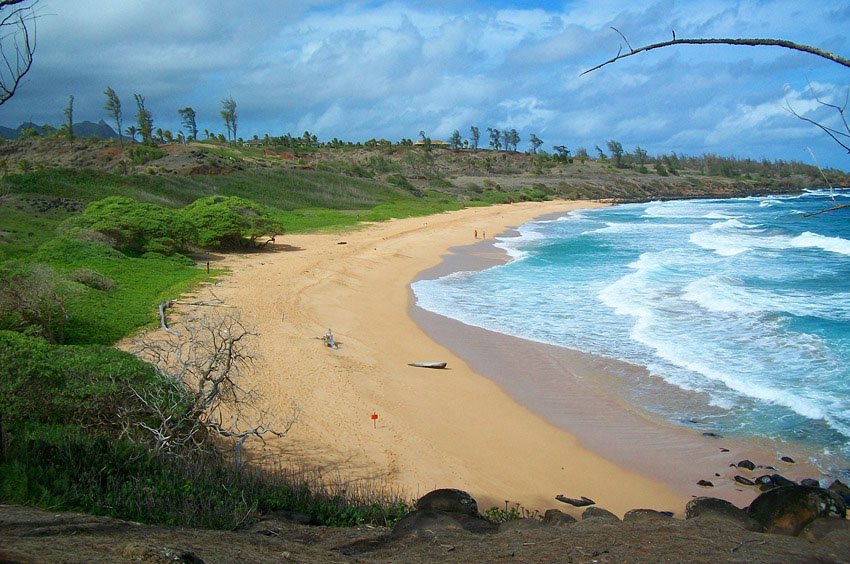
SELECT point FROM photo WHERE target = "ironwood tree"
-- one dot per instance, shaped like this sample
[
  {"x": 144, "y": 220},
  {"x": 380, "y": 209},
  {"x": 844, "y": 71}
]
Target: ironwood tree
[{"x": 17, "y": 43}]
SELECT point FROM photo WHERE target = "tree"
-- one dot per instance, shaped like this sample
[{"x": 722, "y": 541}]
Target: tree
[
  {"x": 228, "y": 221},
  {"x": 640, "y": 156},
  {"x": 535, "y": 142},
  {"x": 144, "y": 119},
  {"x": 600, "y": 153},
  {"x": 132, "y": 131},
  {"x": 187, "y": 118},
  {"x": 228, "y": 113},
  {"x": 616, "y": 150},
  {"x": 17, "y": 44},
  {"x": 69, "y": 117},
  {"x": 476, "y": 135},
  {"x": 455, "y": 141},
  {"x": 495, "y": 138},
  {"x": 113, "y": 106},
  {"x": 563, "y": 153},
  {"x": 204, "y": 363}
]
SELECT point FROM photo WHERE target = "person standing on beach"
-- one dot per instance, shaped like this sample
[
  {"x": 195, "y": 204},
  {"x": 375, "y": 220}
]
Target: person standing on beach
[{"x": 476, "y": 234}]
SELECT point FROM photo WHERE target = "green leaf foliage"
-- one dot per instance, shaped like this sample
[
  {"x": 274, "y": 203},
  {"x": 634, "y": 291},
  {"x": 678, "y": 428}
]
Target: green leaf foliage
[
  {"x": 136, "y": 227},
  {"x": 228, "y": 221}
]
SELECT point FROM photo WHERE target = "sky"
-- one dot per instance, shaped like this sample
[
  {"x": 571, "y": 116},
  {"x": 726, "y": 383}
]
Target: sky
[{"x": 390, "y": 69}]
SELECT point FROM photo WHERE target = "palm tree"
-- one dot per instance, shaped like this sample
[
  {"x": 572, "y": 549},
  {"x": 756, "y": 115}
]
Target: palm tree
[{"x": 131, "y": 131}]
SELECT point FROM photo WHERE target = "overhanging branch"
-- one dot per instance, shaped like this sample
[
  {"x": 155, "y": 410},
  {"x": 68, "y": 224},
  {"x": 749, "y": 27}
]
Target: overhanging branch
[{"x": 751, "y": 42}]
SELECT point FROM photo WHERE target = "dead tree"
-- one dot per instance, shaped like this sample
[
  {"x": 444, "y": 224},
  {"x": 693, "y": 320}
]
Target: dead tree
[
  {"x": 203, "y": 368},
  {"x": 17, "y": 43}
]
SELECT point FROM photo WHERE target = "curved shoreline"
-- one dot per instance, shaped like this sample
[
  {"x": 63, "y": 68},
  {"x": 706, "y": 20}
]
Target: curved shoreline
[
  {"x": 578, "y": 392},
  {"x": 450, "y": 428}
]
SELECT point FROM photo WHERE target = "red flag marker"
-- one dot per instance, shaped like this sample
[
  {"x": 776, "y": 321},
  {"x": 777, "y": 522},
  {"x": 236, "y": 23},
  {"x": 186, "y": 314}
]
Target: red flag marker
[{"x": 374, "y": 420}]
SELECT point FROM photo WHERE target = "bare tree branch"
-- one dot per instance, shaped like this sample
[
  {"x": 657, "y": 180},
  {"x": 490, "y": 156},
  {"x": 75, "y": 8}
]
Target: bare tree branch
[
  {"x": 17, "y": 44},
  {"x": 721, "y": 41}
]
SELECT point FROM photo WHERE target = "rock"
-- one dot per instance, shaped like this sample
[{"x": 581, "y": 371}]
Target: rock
[
  {"x": 427, "y": 522},
  {"x": 787, "y": 509},
  {"x": 745, "y": 481},
  {"x": 583, "y": 502},
  {"x": 556, "y": 517},
  {"x": 450, "y": 501},
  {"x": 822, "y": 528},
  {"x": 724, "y": 450},
  {"x": 781, "y": 480},
  {"x": 811, "y": 482},
  {"x": 765, "y": 483},
  {"x": 645, "y": 515},
  {"x": 600, "y": 514},
  {"x": 293, "y": 516},
  {"x": 522, "y": 525},
  {"x": 712, "y": 435},
  {"x": 748, "y": 464},
  {"x": 787, "y": 459},
  {"x": 705, "y": 484},
  {"x": 720, "y": 508},
  {"x": 841, "y": 489}
]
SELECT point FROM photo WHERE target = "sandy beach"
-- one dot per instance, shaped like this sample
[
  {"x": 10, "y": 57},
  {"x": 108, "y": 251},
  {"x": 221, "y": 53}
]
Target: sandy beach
[{"x": 440, "y": 428}]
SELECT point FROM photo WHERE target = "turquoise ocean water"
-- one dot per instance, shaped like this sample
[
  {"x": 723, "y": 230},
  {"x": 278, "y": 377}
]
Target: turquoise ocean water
[{"x": 743, "y": 303}]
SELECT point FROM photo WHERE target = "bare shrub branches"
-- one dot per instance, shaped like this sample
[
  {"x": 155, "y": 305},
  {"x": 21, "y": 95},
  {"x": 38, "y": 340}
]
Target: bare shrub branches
[
  {"x": 17, "y": 44},
  {"x": 203, "y": 366},
  {"x": 752, "y": 42}
]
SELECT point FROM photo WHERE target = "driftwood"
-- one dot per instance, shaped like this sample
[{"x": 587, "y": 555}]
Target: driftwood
[
  {"x": 583, "y": 502},
  {"x": 162, "y": 320},
  {"x": 329, "y": 340},
  {"x": 438, "y": 365}
]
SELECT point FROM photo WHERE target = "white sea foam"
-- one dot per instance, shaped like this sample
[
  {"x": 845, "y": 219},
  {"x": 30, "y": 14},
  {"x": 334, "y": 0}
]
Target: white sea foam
[{"x": 829, "y": 244}]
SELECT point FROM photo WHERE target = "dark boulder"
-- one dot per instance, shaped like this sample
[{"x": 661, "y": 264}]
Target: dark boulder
[
  {"x": 748, "y": 464},
  {"x": 448, "y": 500},
  {"x": 556, "y": 517},
  {"x": 705, "y": 484},
  {"x": 811, "y": 482},
  {"x": 744, "y": 481},
  {"x": 645, "y": 515},
  {"x": 600, "y": 514},
  {"x": 781, "y": 480},
  {"x": 841, "y": 489},
  {"x": 703, "y": 507},
  {"x": 787, "y": 509},
  {"x": 787, "y": 459}
]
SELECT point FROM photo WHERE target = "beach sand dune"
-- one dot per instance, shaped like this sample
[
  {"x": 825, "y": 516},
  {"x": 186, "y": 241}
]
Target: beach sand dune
[{"x": 435, "y": 428}]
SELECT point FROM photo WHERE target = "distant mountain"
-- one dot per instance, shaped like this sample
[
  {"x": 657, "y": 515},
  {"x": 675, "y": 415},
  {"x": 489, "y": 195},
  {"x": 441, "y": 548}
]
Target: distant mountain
[{"x": 82, "y": 129}]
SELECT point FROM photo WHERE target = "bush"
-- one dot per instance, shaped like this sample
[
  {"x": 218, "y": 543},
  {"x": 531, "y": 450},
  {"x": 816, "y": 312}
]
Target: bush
[
  {"x": 142, "y": 154},
  {"x": 92, "y": 279},
  {"x": 32, "y": 299},
  {"x": 135, "y": 227},
  {"x": 229, "y": 221}
]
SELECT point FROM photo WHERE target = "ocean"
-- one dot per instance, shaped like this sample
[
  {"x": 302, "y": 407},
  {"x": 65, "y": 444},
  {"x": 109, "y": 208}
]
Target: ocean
[{"x": 741, "y": 305}]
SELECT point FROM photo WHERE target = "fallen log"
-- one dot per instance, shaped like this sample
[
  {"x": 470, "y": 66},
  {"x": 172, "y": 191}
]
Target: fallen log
[
  {"x": 329, "y": 340},
  {"x": 162, "y": 321},
  {"x": 438, "y": 365},
  {"x": 583, "y": 502}
]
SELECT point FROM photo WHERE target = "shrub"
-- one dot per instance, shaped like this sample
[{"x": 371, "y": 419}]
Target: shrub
[
  {"x": 32, "y": 299},
  {"x": 92, "y": 279},
  {"x": 135, "y": 227},
  {"x": 142, "y": 154},
  {"x": 228, "y": 221}
]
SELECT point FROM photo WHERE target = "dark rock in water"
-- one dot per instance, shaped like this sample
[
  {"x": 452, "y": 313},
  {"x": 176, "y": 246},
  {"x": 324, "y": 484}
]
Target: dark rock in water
[
  {"x": 720, "y": 508},
  {"x": 556, "y": 517},
  {"x": 765, "y": 481},
  {"x": 786, "y": 510},
  {"x": 841, "y": 489},
  {"x": 787, "y": 459},
  {"x": 705, "y": 484},
  {"x": 781, "y": 480},
  {"x": 811, "y": 482},
  {"x": 744, "y": 481},
  {"x": 600, "y": 514},
  {"x": 748, "y": 464},
  {"x": 645, "y": 515},
  {"x": 583, "y": 502},
  {"x": 448, "y": 500},
  {"x": 712, "y": 435}
]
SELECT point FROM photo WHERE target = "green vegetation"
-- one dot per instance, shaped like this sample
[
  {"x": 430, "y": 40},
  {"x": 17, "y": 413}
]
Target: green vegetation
[{"x": 86, "y": 254}]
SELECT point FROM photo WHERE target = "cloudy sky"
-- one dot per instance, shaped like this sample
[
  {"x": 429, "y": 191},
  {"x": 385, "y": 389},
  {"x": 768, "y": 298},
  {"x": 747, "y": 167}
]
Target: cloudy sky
[{"x": 358, "y": 70}]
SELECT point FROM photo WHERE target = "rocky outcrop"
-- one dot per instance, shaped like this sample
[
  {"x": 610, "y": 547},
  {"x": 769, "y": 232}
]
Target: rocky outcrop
[{"x": 786, "y": 510}]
